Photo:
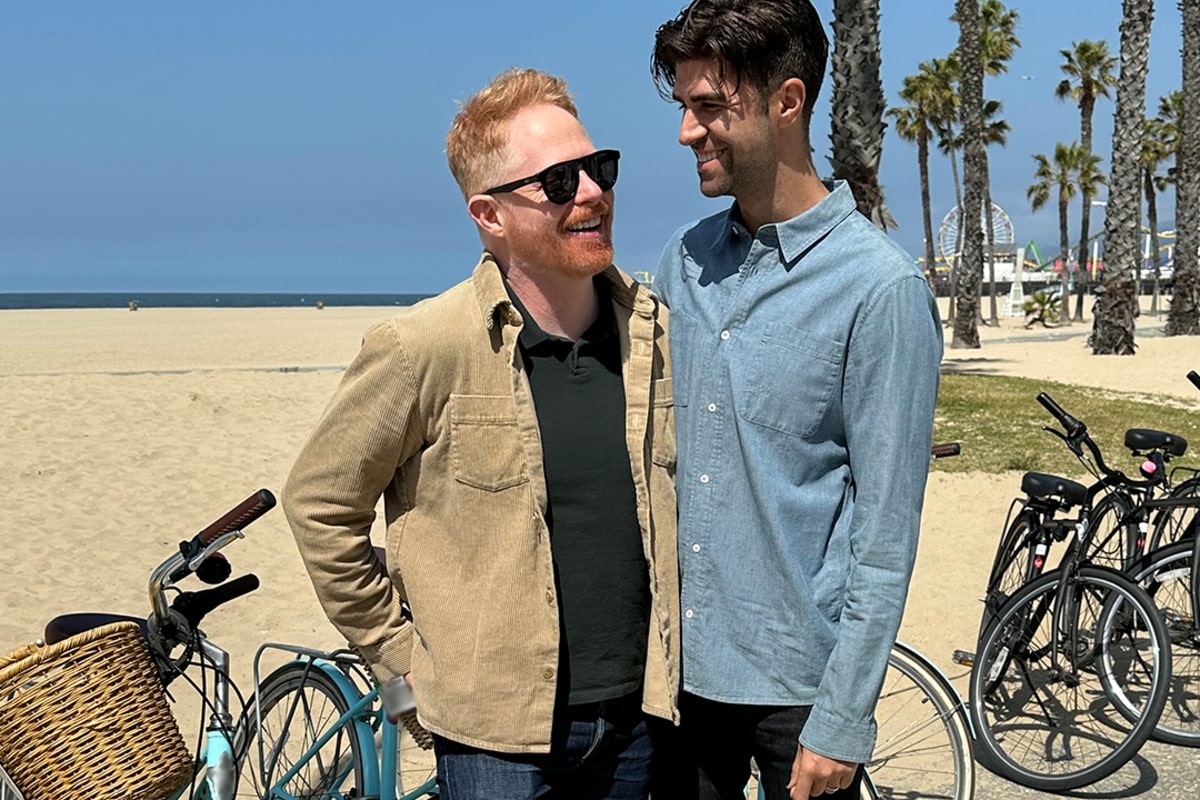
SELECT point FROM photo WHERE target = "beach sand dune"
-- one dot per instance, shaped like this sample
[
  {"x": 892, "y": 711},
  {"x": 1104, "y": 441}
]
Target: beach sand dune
[{"x": 124, "y": 433}]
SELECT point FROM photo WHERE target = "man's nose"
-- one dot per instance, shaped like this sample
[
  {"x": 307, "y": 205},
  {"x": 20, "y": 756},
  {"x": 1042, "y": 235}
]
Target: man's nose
[{"x": 690, "y": 129}]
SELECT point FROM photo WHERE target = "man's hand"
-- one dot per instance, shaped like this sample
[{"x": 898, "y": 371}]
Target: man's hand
[
  {"x": 397, "y": 697},
  {"x": 814, "y": 775}
]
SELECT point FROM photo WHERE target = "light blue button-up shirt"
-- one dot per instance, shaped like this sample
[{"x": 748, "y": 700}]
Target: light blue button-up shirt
[{"x": 805, "y": 360}]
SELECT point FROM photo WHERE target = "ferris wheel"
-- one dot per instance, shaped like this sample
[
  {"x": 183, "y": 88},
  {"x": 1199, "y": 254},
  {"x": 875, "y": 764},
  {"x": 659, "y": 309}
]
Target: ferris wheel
[{"x": 950, "y": 243}]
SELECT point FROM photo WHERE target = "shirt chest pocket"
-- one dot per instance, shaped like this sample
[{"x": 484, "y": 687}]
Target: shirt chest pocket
[
  {"x": 485, "y": 444},
  {"x": 785, "y": 380}
]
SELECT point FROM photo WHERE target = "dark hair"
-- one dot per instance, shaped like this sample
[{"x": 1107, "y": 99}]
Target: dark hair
[{"x": 760, "y": 42}]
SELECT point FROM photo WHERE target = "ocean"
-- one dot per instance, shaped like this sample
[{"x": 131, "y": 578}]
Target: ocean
[{"x": 197, "y": 299}]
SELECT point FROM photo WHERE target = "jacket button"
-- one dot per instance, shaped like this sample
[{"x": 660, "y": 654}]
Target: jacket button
[
  {"x": 550, "y": 596},
  {"x": 548, "y": 673}
]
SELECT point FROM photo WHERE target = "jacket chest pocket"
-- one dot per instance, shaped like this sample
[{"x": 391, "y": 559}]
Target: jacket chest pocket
[
  {"x": 787, "y": 379},
  {"x": 485, "y": 444}
]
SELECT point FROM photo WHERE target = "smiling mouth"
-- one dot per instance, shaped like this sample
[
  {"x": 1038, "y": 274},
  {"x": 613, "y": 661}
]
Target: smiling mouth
[
  {"x": 704, "y": 157},
  {"x": 585, "y": 226}
]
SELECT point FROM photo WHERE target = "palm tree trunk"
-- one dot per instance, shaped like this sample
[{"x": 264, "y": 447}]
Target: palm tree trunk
[
  {"x": 1082, "y": 277},
  {"x": 994, "y": 318},
  {"x": 857, "y": 104},
  {"x": 1152, "y": 221},
  {"x": 957, "y": 255},
  {"x": 1118, "y": 305},
  {"x": 966, "y": 332},
  {"x": 1184, "y": 318},
  {"x": 927, "y": 210},
  {"x": 1064, "y": 251},
  {"x": 1087, "y": 105}
]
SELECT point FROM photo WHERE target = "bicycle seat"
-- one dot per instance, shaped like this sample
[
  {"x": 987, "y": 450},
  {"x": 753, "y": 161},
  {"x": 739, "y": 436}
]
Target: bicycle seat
[
  {"x": 1040, "y": 485},
  {"x": 1142, "y": 439},
  {"x": 68, "y": 625}
]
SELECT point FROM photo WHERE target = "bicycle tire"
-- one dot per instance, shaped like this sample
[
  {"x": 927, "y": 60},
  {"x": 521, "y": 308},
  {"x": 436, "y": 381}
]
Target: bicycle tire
[
  {"x": 1167, "y": 576},
  {"x": 1177, "y": 524},
  {"x": 924, "y": 744},
  {"x": 296, "y": 704},
  {"x": 1113, "y": 543},
  {"x": 1013, "y": 566},
  {"x": 1044, "y": 721}
]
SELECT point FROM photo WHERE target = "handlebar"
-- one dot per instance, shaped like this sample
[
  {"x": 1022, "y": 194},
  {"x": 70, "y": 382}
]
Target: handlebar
[
  {"x": 945, "y": 450},
  {"x": 240, "y": 516},
  {"x": 193, "y": 553},
  {"x": 1075, "y": 429}
]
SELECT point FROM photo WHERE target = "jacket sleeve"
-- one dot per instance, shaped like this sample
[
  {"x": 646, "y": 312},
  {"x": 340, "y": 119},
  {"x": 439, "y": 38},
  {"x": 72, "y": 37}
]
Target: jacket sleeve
[
  {"x": 889, "y": 395},
  {"x": 369, "y": 429}
]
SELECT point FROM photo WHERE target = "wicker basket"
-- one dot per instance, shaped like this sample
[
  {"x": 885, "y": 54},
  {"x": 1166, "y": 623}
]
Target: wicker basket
[{"x": 87, "y": 718}]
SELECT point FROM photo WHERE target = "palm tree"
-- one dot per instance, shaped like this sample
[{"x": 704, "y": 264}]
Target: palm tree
[
  {"x": 1184, "y": 318},
  {"x": 1156, "y": 148},
  {"x": 1060, "y": 177},
  {"x": 997, "y": 43},
  {"x": 929, "y": 100},
  {"x": 857, "y": 105},
  {"x": 1088, "y": 66},
  {"x": 966, "y": 333},
  {"x": 1117, "y": 306}
]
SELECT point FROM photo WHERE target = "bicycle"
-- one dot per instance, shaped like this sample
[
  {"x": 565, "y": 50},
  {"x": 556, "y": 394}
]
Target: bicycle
[
  {"x": 238, "y": 759},
  {"x": 1071, "y": 675},
  {"x": 172, "y": 633}
]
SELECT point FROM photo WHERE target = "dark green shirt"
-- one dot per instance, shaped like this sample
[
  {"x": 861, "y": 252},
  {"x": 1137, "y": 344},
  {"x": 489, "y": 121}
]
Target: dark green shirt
[{"x": 600, "y": 567}]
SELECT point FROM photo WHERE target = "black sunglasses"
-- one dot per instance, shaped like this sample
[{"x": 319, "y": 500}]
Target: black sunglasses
[{"x": 560, "y": 181}]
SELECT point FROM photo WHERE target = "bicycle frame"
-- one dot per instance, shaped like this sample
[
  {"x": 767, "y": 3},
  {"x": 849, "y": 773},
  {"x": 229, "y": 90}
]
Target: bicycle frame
[{"x": 365, "y": 715}]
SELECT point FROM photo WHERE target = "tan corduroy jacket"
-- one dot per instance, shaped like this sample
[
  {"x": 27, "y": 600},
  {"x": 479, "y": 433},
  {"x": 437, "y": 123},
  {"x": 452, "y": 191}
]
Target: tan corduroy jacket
[{"x": 435, "y": 414}]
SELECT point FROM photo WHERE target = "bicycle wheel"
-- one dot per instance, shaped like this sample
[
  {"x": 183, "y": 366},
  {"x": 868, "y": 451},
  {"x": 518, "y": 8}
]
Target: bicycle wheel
[
  {"x": 1114, "y": 534},
  {"x": 924, "y": 745},
  {"x": 296, "y": 705},
  {"x": 1176, "y": 524},
  {"x": 1015, "y": 565},
  {"x": 1043, "y": 685},
  {"x": 1166, "y": 575}
]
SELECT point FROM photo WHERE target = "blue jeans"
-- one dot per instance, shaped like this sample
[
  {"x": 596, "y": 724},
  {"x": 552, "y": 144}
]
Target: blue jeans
[{"x": 598, "y": 751}]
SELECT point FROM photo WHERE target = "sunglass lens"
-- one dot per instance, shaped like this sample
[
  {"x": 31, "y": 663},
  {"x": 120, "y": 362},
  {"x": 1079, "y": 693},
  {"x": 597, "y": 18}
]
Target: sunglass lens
[
  {"x": 603, "y": 169},
  {"x": 561, "y": 182}
]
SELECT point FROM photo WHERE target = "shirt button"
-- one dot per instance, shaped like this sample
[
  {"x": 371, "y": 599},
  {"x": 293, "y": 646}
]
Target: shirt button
[
  {"x": 689, "y": 613},
  {"x": 695, "y": 548},
  {"x": 724, "y": 335},
  {"x": 712, "y": 406},
  {"x": 548, "y": 673},
  {"x": 704, "y": 479}
]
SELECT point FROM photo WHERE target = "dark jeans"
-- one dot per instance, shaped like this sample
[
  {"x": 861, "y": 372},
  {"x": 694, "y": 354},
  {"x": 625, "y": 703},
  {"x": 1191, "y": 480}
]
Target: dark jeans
[
  {"x": 599, "y": 751},
  {"x": 709, "y": 758}
]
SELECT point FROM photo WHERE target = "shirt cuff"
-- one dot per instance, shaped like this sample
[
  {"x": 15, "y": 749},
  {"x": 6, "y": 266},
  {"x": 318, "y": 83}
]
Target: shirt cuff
[
  {"x": 391, "y": 658},
  {"x": 841, "y": 739}
]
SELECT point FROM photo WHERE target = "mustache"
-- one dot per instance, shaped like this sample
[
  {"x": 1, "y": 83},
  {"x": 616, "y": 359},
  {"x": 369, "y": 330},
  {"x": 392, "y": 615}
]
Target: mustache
[{"x": 598, "y": 211}]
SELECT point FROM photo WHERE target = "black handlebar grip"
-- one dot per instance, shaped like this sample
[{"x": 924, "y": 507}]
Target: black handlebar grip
[
  {"x": 1073, "y": 426},
  {"x": 1194, "y": 377},
  {"x": 239, "y": 517},
  {"x": 195, "y": 605},
  {"x": 946, "y": 450}
]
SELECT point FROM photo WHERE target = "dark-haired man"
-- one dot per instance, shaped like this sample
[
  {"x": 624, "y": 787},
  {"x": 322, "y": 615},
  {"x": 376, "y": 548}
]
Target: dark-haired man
[{"x": 805, "y": 351}]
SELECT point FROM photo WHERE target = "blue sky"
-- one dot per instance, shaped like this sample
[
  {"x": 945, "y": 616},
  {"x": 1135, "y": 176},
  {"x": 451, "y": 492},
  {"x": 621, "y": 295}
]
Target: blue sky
[{"x": 298, "y": 146}]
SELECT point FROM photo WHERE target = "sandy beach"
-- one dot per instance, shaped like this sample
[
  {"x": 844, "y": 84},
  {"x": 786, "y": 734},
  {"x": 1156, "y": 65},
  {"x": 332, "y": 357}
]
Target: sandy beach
[{"x": 124, "y": 433}]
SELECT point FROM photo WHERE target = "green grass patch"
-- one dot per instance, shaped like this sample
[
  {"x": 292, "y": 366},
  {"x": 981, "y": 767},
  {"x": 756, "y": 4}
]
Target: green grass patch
[{"x": 999, "y": 423}]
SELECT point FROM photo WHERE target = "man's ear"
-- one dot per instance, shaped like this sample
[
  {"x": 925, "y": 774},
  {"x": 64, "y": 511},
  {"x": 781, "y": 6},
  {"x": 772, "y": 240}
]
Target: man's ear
[
  {"x": 788, "y": 102},
  {"x": 485, "y": 212}
]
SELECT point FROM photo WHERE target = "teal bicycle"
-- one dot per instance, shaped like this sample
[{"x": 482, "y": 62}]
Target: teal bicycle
[{"x": 314, "y": 728}]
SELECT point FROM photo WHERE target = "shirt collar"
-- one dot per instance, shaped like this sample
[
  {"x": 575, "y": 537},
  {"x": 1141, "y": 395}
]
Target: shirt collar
[
  {"x": 603, "y": 326},
  {"x": 794, "y": 237}
]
